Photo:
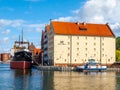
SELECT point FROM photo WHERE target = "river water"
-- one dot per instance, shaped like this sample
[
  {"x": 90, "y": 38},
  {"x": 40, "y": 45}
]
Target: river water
[{"x": 33, "y": 79}]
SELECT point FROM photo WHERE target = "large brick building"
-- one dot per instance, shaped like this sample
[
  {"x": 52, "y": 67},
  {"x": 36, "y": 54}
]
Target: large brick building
[{"x": 73, "y": 43}]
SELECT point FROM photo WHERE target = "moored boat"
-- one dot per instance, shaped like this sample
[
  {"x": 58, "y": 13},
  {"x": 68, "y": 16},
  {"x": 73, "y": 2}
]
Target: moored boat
[
  {"x": 21, "y": 60},
  {"x": 91, "y": 65}
]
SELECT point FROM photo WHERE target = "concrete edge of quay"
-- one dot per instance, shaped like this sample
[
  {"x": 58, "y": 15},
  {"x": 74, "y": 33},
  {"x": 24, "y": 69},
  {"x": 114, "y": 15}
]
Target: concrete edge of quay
[{"x": 56, "y": 68}]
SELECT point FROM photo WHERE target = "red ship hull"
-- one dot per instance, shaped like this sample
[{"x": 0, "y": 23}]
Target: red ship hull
[{"x": 20, "y": 65}]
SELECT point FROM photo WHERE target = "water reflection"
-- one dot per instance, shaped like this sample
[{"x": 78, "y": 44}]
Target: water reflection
[
  {"x": 28, "y": 79},
  {"x": 22, "y": 79},
  {"x": 48, "y": 80},
  {"x": 79, "y": 81},
  {"x": 118, "y": 80},
  {"x": 33, "y": 79}
]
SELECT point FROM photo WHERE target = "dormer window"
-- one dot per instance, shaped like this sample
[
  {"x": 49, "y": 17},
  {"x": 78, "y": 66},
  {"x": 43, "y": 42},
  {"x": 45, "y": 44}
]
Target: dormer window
[{"x": 82, "y": 28}]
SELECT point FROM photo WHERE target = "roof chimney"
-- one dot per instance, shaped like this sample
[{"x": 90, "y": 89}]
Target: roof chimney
[
  {"x": 77, "y": 23},
  {"x": 84, "y": 23},
  {"x": 107, "y": 23}
]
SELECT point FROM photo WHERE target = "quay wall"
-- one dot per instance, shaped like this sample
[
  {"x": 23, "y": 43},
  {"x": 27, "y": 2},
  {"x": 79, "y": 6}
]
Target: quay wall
[{"x": 56, "y": 68}]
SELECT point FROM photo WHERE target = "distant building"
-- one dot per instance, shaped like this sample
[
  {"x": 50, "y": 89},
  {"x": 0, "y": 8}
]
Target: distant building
[
  {"x": 44, "y": 44},
  {"x": 73, "y": 43},
  {"x": 37, "y": 56},
  {"x": 4, "y": 57}
]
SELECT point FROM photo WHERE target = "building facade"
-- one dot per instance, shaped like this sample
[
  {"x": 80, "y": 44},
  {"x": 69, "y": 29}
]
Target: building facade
[
  {"x": 44, "y": 45},
  {"x": 72, "y": 44}
]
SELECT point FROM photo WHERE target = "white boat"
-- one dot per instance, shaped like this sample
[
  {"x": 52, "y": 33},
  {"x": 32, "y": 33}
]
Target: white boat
[{"x": 91, "y": 65}]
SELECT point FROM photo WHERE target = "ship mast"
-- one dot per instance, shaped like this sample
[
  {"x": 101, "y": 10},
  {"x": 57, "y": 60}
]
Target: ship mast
[{"x": 22, "y": 36}]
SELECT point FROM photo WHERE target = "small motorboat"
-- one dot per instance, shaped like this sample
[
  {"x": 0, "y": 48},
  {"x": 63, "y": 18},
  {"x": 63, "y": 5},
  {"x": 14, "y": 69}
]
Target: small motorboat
[{"x": 91, "y": 65}]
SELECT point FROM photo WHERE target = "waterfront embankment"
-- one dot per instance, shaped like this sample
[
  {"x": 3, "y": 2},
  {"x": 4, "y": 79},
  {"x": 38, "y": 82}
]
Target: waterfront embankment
[{"x": 55, "y": 68}]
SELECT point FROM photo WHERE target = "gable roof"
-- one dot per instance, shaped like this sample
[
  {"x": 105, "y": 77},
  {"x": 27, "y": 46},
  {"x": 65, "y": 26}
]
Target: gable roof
[
  {"x": 72, "y": 28},
  {"x": 47, "y": 28}
]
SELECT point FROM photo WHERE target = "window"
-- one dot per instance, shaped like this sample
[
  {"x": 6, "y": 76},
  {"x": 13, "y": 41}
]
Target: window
[
  {"x": 68, "y": 48},
  {"x": 102, "y": 44},
  {"x": 62, "y": 42},
  {"x": 77, "y": 43},
  {"x": 77, "y": 48},
  {"x": 94, "y": 38},
  {"x": 77, "y": 54},
  {"x": 75, "y": 60},
  {"x": 65, "y": 60},
  {"x": 103, "y": 55},
  {"x": 102, "y": 49},
  {"x": 83, "y": 28},
  {"x": 77, "y": 37},
  {"x": 94, "y": 49},
  {"x": 68, "y": 54},
  {"x": 94, "y": 44},
  {"x": 68, "y": 43},
  {"x": 94, "y": 55}
]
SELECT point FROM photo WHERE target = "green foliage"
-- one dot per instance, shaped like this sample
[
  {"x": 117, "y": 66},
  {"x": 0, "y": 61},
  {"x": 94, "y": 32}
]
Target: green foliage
[
  {"x": 118, "y": 43},
  {"x": 117, "y": 55}
]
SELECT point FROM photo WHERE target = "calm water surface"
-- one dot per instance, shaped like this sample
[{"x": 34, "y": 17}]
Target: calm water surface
[{"x": 12, "y": 79}]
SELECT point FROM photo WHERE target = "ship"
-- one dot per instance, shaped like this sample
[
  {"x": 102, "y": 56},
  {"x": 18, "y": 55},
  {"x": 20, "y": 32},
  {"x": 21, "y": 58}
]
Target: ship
[
  {"x": 91, "y": 65},
  {"x": 22, "y": 58}
]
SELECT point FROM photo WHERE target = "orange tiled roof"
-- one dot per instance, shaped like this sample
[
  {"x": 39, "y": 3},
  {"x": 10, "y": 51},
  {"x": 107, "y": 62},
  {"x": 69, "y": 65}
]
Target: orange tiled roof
[
  {"x": 73, "y": 28},
  {"x": 47, "y": 28}
]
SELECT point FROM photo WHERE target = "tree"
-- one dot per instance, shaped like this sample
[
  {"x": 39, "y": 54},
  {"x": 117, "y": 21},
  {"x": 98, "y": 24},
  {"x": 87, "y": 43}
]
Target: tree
[
  {"x": 117, "y": 55},
  {"x": 118, "y": 43}
]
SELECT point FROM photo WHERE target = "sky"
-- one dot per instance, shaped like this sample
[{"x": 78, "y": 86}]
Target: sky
[{"x": 31, "y": 16}]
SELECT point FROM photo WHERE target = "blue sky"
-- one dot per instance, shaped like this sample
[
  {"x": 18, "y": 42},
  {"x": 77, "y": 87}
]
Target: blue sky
[{"x": 33, "y": 15}]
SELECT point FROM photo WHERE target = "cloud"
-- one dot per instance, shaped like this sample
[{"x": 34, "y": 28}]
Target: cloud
[
  {"x": 11, "y": 29},
  {"x": 69, "y": 18},
  {"x": 6, "y": 31},
  {"x": 5, "y": 40},
  {"x": 36, "y": 27},
  {"x": 100, "y": 11},
  {"x": 116, "y": 28},
  {"x": 97, "y": 11},
  {"x": 11, "y": 23}
]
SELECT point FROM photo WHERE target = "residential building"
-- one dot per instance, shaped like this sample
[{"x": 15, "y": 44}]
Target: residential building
[{"x": 73, "y": 43}]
